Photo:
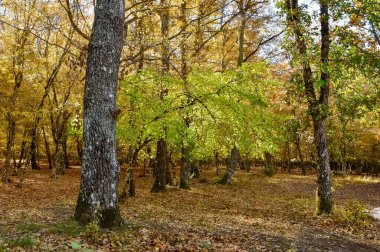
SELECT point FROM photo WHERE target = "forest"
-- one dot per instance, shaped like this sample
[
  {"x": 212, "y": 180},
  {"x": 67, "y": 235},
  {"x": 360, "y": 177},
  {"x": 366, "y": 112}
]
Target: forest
[{"x": 190, "y": 125}]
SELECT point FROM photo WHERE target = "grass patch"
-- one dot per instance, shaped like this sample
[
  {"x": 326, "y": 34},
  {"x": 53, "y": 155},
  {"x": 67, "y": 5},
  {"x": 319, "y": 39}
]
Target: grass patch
[
  {"x": 353, "y": 214},
  {"x": 28, "y": 227},
  {"x": 26, "y": 242},
  {"x": 67, "y": 227}
]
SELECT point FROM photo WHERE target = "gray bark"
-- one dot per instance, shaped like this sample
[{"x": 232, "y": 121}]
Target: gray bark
[
  {"x": 231, "y": 166},
  {"x": 98, "y": 198},
  {"x": 318, "y": 107}
]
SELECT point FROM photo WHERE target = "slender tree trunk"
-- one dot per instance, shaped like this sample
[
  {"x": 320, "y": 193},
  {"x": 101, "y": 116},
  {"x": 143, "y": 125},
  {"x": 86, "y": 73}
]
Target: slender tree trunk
[
  {"x": 318, "y": 106},
  {"x": 185, "y": 149},
  {"x": 79, "y": 147},
  {"x": 58, "y": 167},
  {"x": 22, "y": 151},
  {"x": 129, "y": 189},
  {"x": 288, "y": 156},
  {"x": 47, "y": 148},
  {"x": 98, "y": 198},
  {"x": 49, "y": 84},
  {"x": 9, "y": 148},
  {"x": 33, "y": 148},
  {"x": 64, "y": 149},
  {"x": 217, "y": 163},
  {"x": 298, "y": 147},
  {"x": 161, "y": 167},
  {"x": 18, "y": 77}
]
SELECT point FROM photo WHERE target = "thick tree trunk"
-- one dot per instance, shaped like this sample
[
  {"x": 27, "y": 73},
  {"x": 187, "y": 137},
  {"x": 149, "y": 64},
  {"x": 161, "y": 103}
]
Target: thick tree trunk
[
  {"x": 231, "y": 166},
  {"x": 98, "y": 198},
  {"x": 159, "y": 167}
]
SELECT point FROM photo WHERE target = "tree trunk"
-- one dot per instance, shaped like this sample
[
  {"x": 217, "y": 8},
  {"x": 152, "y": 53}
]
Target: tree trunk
[
  {"x": 185, "y": 149},
  {"x": 235, "y": 155},
  {"x": 18, "y": 76},
  {"x": 98, "y": 199},
  {"x": 217, "y": 163},
  {"x": 79, "y": 147},
  {"x": 64, "y": 148},
  {"x": 9, "y": 148},
  {"x": 22, "y": 151},
  {"x": 185, "y": 168},
  {"x": 129, "y": 189},
  {"x": 231, "y": 166},
  {"x": 318, "y": 106},
  {"x": 298, "y": 147},
  {"x": 324, "y": 193},
  {"x": 47, "y": 148},
  {"x": 159, "y": 167},
  {"x": 33, "y": 147}
]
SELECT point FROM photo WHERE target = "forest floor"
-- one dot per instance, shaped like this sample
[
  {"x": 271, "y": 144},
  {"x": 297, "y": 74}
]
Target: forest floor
[{"x": 256, "y": 213}]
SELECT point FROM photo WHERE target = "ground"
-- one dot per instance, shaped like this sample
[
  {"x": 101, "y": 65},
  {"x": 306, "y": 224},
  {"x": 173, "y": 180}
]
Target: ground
[{"x": 255, "y": 213}]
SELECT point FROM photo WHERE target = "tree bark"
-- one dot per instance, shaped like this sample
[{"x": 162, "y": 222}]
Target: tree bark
[
  {"x": 231, "y": 166},
  {"x": 318, "y": 107},
  {"x": 298, "y": 147},
  {"x": 159, "y": 167},
  {"x": 185, "y": 149},
  {"x": 98, "y": 198},
  {"x": 47, "y": 148},
  {"x": 129, "y": 189},
  {"x": 324, "y": 193}
]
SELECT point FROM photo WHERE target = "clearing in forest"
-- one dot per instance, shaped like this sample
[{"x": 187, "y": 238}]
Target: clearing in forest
[{"x": 255, "y": 213}]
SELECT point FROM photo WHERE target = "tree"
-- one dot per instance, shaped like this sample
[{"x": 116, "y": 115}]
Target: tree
[
  {"x": 98, "y": 199},
  {"x": 317, "y": 92},
  {"x": 161, "y": 164}
]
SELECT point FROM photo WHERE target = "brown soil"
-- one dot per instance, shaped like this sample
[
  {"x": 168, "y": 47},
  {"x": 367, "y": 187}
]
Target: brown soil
[{"x": 256, "y": 213}]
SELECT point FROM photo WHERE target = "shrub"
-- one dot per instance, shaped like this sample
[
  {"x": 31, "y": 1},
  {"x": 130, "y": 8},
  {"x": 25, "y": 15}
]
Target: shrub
[
  {"x": 354, "y": 215},
  {"x": 270, "y": 171}
]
